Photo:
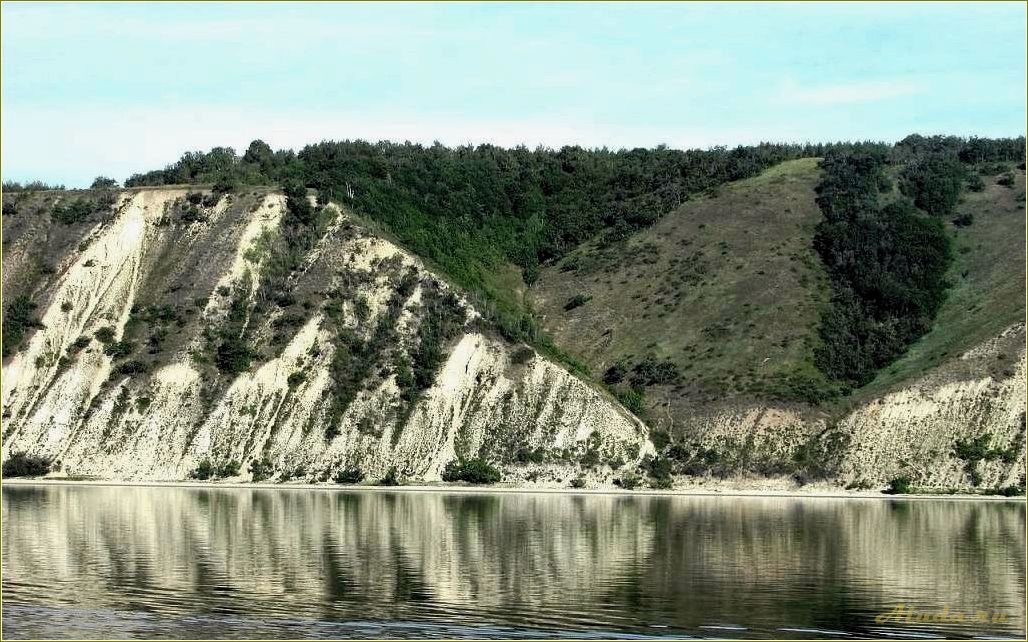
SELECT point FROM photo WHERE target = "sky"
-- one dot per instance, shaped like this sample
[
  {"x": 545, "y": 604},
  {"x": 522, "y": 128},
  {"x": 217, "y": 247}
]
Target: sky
[{"x": 117, "y": 88}]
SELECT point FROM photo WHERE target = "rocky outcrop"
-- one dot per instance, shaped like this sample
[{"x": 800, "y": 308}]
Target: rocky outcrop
[
  {"x": 182, "y": 329},
  {"x": 913, "y": 431},
  {"x": 166, "y": 282}
]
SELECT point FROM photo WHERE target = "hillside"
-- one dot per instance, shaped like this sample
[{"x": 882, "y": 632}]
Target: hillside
[
  {"x": 761, "y": 315},
  {"x": 987, "y": 295},
  {"x": 727, "y": 288},
  {"x": 177, "y": 336}
]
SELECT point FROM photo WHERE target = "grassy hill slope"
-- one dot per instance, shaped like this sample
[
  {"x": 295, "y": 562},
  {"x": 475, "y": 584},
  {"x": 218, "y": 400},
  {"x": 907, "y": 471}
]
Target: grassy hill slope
[{"x": 727, "y": 288}]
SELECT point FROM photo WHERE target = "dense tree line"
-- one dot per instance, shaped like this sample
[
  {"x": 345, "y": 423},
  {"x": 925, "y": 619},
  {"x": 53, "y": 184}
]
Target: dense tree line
[
  {"x": 30, "y": 186},
  {"x": 887, "y": 266},
  {"x": 972, "y": 150}
]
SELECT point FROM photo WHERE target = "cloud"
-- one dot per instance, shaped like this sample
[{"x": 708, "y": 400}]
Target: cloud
[{"x": 848, "y": 93}]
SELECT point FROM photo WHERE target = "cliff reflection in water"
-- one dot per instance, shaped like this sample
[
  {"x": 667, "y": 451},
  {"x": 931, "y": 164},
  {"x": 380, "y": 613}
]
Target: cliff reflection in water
[{"x": 539, "y": 562}]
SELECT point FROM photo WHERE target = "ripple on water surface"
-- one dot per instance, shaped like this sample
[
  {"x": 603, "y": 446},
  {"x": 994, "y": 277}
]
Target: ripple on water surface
[{"x": 94, "y": 561}]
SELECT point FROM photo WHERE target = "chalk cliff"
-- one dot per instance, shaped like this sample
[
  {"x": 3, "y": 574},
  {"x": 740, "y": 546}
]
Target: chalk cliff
[
  {"x": 180, "y": 330},
  {"x": 157, "y": 278}
]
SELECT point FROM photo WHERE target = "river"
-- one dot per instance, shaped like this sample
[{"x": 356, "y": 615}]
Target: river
[{"x": 145, "y": 562}]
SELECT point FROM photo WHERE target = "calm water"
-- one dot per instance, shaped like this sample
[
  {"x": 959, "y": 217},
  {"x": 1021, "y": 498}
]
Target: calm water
[{"x": 104, "y": 562}]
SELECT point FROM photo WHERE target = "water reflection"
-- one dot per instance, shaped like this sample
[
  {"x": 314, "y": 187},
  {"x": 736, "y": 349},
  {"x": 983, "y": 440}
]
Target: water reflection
[{"x": 178, "y": 562}]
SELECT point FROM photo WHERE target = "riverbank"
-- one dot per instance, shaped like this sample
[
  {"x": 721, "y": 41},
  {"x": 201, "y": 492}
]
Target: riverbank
[{"x": 812, "y": 492}]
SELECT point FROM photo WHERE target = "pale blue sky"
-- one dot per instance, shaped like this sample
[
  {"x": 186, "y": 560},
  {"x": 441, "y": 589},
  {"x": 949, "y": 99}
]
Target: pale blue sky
[{"x": 117, "y": 88}]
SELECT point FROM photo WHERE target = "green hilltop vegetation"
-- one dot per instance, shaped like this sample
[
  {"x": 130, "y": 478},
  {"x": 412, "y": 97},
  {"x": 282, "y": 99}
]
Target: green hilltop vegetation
[
  {"x": 886, "y": 263},
  {"x": 721, "y": 297},
  {"x": 817, "y": 281},
  {"x": 792, "y": 272}
]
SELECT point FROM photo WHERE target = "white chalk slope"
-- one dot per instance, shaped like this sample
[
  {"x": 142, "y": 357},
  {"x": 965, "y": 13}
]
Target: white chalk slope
[{"x": 91, "y": 425}]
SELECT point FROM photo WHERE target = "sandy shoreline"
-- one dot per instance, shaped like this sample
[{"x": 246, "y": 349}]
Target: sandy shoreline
[{"x": 826, "y": 493}]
